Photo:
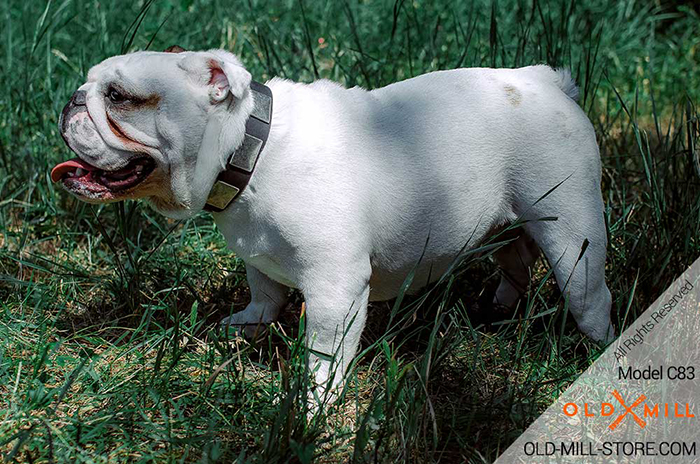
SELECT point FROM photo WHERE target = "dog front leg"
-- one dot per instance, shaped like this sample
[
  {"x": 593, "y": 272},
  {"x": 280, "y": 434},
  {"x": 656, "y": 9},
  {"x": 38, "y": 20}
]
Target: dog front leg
[
  {"x": 336, "y": 311},
  {"x": 267, "y": 298}
]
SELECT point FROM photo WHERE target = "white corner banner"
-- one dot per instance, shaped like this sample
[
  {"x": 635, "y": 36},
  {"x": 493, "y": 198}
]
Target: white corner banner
[{"x": 638, "y": 402}]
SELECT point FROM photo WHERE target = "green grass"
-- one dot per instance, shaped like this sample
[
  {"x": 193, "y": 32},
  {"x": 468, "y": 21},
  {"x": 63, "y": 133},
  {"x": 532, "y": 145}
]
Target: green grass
[{"x": 109, "y": 348}]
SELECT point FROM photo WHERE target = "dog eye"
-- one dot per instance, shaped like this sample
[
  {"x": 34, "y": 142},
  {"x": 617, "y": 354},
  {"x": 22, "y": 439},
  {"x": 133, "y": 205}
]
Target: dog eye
[{"x": 115, "y": 96}]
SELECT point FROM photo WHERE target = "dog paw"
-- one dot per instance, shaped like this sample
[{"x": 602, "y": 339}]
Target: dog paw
[
  {"x": 604, "y": 336},
  {"x": 241, "y": 327}
]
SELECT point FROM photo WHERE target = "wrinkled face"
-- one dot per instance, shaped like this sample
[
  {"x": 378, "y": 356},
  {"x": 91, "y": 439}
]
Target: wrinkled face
[{"x": 155, "y": 126}]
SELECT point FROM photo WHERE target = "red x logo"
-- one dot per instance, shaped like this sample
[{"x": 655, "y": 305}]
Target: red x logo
[{"x": 628, "y": 410}]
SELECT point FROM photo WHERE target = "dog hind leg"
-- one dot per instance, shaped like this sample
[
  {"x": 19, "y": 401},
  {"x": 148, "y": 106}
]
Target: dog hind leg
[{"x": 575, "y": 246}]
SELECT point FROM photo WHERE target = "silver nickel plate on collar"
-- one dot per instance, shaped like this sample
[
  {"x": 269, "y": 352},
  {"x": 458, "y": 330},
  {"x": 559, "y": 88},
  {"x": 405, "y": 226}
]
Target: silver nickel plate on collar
[
  {"x": 221, "y": 195},
  {"x": 245, "y": 156},
  {"x": 262, "y": 107}
]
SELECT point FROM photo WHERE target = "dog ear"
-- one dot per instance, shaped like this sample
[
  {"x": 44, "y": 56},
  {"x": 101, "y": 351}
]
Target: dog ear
[
  {"x": 227, "y": 77},
  {"x": 220, "y": 71},
  {"x": 174, "y": 49}
]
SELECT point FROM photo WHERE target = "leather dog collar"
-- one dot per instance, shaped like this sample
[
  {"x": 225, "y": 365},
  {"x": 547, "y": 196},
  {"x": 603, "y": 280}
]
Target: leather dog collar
[{"x": 240, "y": 165}]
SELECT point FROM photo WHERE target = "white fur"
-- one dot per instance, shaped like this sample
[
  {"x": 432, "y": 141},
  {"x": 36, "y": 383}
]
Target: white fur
[{"x": 353, "y": 183}]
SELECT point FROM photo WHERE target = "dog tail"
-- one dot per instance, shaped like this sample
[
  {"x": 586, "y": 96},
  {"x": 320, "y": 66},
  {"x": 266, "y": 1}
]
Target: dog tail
[
  {"x": 560, "y": 77},
  {"x": 566, "y": 83}
]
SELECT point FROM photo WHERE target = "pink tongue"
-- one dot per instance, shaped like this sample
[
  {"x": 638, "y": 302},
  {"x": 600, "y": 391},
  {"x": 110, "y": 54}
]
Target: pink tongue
[{"x": 61, "y": 169}]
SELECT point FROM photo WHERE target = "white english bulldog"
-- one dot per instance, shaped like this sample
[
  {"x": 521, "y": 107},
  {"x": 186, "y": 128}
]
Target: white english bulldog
[{"x": 353, "y": 189}]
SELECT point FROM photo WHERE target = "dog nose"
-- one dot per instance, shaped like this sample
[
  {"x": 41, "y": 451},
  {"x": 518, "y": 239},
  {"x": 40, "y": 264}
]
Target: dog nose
[{"x": 78, "y": 98}]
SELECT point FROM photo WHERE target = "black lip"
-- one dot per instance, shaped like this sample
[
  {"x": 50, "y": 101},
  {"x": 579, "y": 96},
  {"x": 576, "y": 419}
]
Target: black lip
[{"x": 116, "y": 184}]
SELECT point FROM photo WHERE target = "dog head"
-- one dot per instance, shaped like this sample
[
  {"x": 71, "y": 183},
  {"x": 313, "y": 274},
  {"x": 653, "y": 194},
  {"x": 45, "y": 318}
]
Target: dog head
[{"x": 157, "y": 126}]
